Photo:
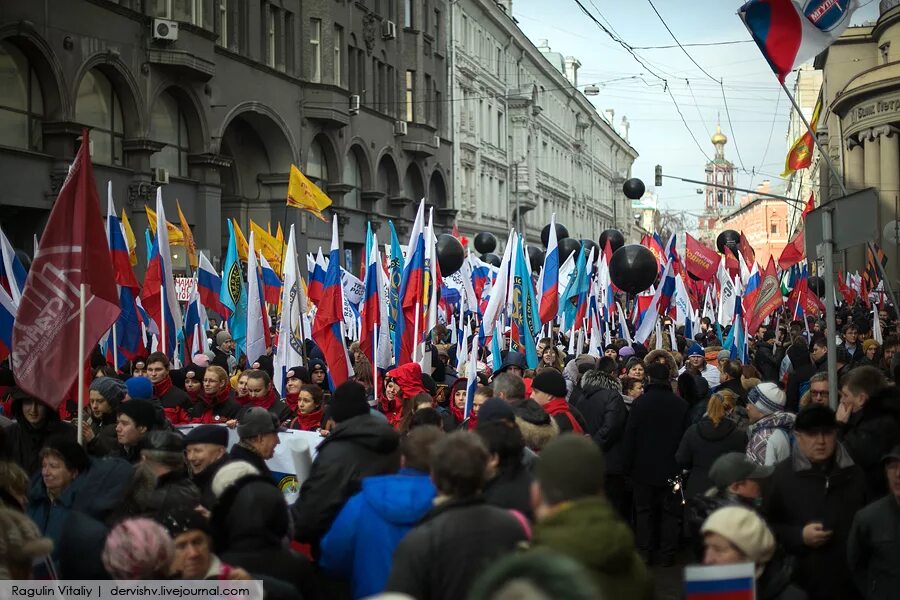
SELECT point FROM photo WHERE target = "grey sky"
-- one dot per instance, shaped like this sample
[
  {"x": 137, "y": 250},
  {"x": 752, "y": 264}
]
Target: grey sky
[{"x": 759, "y": 110}]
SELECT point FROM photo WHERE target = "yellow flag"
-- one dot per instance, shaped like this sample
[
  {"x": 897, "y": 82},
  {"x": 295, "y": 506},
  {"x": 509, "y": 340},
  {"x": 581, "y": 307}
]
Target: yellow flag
[
  {"x": 188, "y": 237},
  {"x": 801, "y": 153},
  {"x": 176, "y": 237},
  {"x": 270, "y": 247},
  {"x": 279, "y": 234},
  {"x": 240, "y": 241},
  {"x": 303, "y": 193},
  {"x": 129, "y": 239}
]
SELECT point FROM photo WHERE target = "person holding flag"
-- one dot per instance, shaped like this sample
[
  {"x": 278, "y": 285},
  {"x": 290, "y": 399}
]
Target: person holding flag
[{"x": 328, "y": 327}]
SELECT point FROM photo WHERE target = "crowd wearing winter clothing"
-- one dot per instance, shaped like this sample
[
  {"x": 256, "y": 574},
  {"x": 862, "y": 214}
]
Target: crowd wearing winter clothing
[{"x": 601, "y": 470}]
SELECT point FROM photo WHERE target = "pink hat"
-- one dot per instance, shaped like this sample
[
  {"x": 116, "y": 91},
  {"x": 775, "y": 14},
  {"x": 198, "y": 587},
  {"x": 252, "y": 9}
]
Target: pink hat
[
  {"x": 201, "y": 360},
  {"x": 138, "y": 549}
]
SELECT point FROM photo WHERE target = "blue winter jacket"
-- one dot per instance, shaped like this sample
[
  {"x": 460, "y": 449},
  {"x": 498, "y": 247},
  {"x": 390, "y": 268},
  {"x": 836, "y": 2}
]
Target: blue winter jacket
[{"x": 360, "y": 544}]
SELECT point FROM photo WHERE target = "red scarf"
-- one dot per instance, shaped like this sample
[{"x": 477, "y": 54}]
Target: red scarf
[
  {"x": 560, "y": 406},
  {"x": 160, "y": 389},
  {"x": 266, "y": 401},
  {"x": 309, "y": 422},
  {"x": 220, "y": 397},
  {"x": 195, "y": 395},
  {"x": 394, "y": 415},
  {"x": 293, "y": 400},
  {"x": 243, "y": 400}
]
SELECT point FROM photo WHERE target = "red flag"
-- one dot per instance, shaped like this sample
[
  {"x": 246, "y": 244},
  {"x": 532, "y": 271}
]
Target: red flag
[
  {"x": 701, "y": 262},
  {"x": 846, "y": 292},
  {"x": 72, "y": 252},
  {"x": 747, "y": 251},
  {"x": 810, "y": 206},
  {"x": 731, "y": 264},
  {"x": 768, "y": 298},
  {"x": 794, "y": 252}
]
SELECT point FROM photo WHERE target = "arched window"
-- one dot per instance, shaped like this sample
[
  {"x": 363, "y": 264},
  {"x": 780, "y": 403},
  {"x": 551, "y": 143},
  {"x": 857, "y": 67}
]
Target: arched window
[
  {"x": 21, "y": 101},
  {"x": 353, "y": 176},
  {"x": 99, "y": 108},
  {"x": 316, "y": 167},
  {"x": 169, "y": 126}
]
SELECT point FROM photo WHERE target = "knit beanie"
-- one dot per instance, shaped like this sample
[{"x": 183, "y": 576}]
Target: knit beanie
[
  {"x": 743, "y": 528},
  {"x": 570, "y": 467},
  {"x": 200, "y": 360},
  {"x": 866, "y": 345},
  {"x": 73, "y": 455},
  {"x": 767, "y": 397},
  {"x": 222, "y": 337},
  {"x": 20, "y": 541},
  {"x": 348, "y": 401},
  {"x": 139, "y": 388},
  {"x": 626, "y": 351},
  {"x": 657, "y": 372},
  {"x": 550, "y": 382},
  {"x": 140, "y": 411},
  {"x": 695, "y": 350},
  {"x": 138, "y": 549},
  {"x": 112, "y": 389}
]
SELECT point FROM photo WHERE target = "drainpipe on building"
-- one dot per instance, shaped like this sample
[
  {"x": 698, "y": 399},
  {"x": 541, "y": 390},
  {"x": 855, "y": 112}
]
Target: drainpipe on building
[{"x": 451, "y": 86}]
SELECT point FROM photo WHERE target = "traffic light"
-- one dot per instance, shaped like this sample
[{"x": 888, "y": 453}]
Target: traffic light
[{"x": 658, "y": 180}]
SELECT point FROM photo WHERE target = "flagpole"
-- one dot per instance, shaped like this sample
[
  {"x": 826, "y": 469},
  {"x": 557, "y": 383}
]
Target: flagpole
[
  {"x": 81, "y": 358},
  {"x": 115, "y": 349},
  {"x": 415, "y": 348},
  {"x": 162, "y": 311},
  {"x": 375, "y": 361}
]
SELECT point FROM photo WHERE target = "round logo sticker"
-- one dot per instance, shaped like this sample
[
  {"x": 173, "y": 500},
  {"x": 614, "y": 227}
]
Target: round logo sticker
[{"x": 826, "y": 14}]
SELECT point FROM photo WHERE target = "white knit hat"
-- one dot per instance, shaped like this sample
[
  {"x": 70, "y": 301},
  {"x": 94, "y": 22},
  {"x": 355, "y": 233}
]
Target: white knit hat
[
  {"x": 767, "y": 397},
  {"x": 743, "y": 528},
  {"x": 230, "y": 473}
]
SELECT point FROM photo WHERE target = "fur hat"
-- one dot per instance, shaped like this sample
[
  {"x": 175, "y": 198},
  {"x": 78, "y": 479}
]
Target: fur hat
[
  {"x": 815, "y": 417},
  {"x": 20, "y": 541},
  {"x": 745, "y": 530}
]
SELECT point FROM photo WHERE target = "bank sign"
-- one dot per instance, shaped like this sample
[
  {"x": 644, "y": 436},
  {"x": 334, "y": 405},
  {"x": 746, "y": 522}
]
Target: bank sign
[{"x": 879, "y": 111}]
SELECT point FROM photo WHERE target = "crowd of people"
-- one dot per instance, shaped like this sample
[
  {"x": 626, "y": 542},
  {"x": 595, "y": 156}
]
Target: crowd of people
[{"x": 581, "y": 478}]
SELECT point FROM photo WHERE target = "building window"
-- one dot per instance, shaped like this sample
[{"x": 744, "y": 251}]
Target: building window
[
  {"x": 168, "y": 125},
  {"x": 437, "y": 28},
  {"x": 774, "y": 227},
  {"x": 223, "y": 22},
  {"x": 428, "y": 103},
  {"x": 438, "y": 112},
  {"x": 315, "y": 50},
  {"x": 316, "y": 167},
  {"x": 499, "y": 140},
  {"x": 338, "y": 45},
  {"x": 188, "y": 11},
  {"x": 408, "y": 13},
  {"x": 270, "y": 38},
  {"x": 21, "y": 101},
  {"x": 354, "y": 178},
  {"x": 391, "y": 85},
  {"x": 410, "y": 95},
  {"x": 98, "y": 107},
  {"x": 288, "y": 51}
]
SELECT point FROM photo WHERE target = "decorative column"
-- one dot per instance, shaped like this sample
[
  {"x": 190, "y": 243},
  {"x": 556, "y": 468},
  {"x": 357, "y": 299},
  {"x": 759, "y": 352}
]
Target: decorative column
[
  {"x": 889, "y": 188},
  {"x": 854, "y": 171},
  {"x": 872, "y": 160}
]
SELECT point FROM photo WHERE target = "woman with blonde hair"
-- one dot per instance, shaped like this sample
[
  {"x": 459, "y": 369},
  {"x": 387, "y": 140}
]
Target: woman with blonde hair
[{"x": 704, "y": 442}]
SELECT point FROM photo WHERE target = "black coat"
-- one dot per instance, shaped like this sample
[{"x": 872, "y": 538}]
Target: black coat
[
  {"x": 104, "y": 442},
  {"x": 701, "y": 445},
  {"x": 797, "y": 379},
  {"x": 356, "y": 448},
  {"x": 250, "y": 526},
  {"x": 454, "y": 543},
  {"x": 203, "y": 481},
  {"x": 735, "y": 386},
  {"x": 656, "y": 423},
  {"x": 511, "y": 488},
  {"x": 870, "y": 434},
  {"x": 766, "y": 363},
  {"x": 175, "y": 403},
  {"x": 239, "y": 452},
  {"x": 24, "y": 441},
  {"x": 220, "y": 411},
  {"x": 604, "y": 411},
  {"x": 801, "y": 493},
  {"x": 874, "y": 549}
]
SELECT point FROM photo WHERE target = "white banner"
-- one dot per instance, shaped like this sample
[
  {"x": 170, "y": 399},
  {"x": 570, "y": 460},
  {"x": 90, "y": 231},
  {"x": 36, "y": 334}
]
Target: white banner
[{"x": 184, "y": 287}]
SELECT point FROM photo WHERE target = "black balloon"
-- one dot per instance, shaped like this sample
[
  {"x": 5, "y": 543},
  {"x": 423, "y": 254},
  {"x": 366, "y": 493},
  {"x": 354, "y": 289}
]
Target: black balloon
[
  {"x": 589, "y": 245},
  {"x": 535, "y": 258},
  {"x": 817, "y": 285},
  {"x": 492, "y": 259},
  {"x": 633, "y": 188},
  {"x": 561, "y": 233},
  {"x": 730, "y": 239},
  {"x": 567, "y": 246},
  {"x": 450, "y": 254},
  {"x": 485, "y": 242},
  {"x": 615, "y": 237},
  {"x": 23, "y": 258},
  {"x": 633, "y": 268}
]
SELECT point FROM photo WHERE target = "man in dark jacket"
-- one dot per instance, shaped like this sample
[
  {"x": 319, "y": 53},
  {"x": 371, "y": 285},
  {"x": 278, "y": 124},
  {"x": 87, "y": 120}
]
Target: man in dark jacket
[
  {"x": 548, "y": 388},
  {"x": 223, "y": 352},
  {"x": 134, "y": 420},
  {"x": 874, "y": 544},
  {"x": 175, "y": 401},
  {"x": 810, "y": 506},
  {"x": 161, "y": 483},
  {"x": 361, "y": 542},
  {"x": 535, "y": 424},
  {"x": 461, "y": 536},
  {"x": 205, "y": 449},
  {"x": 359, "y": 446},
  {"x": 764, "y": 358},
  {"x": 606, "y": 415},
  {"x": 258, "y": 434},
  {"x": 99, "y": 427},
  {"x": 869, "y": 415},
  {"x": 35, "y": 424},
  {"x": 509, "y": 484},
  {"x": 575, "y": 519},
  {"x": 656, "y": 423}
]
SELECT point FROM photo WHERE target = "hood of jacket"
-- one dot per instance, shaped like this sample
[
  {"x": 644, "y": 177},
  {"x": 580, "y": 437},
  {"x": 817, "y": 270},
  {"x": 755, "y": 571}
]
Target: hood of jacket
[
  {"x": 535, "y": 424},
  {"x": 655, "y": 355},
  {"x": 367, "y": 431},
  {"x": 52, "y": 415},
  {"x": 595, "y": 380},
  {"x": 589, "y": 529},
  {"x": 250, "y": 515},
  {"x": 715, "y": 433},
  {"x": 401, "y": 499},
  {"x": 409, "y": 378}
]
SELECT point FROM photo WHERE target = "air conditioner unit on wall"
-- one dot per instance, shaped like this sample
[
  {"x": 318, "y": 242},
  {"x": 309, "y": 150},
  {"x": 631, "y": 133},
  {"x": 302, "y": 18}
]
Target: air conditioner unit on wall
[
  {"x": 388, "y": 30},
  {"x": 400, "y": 128},
  {"x": 354, "y": 104},
  {"x": 163, "y": 29},
  {"x": 160, "y": 175}
]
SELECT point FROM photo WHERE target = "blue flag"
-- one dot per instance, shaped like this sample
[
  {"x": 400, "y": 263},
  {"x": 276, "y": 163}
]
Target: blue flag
[
  {"x": 575, "y": 287},
  {"x": 234, "y": 294},
  {"x": 396, "y": 267},
  {"x": 525, "y": 313}
]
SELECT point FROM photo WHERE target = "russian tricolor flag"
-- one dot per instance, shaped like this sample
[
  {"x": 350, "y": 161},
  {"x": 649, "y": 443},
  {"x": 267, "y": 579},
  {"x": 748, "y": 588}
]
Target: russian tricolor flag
[
  {"x": 7, "y": 320},
  {"x": 158, "y": 294},
  {"x": 370, "y": 307},
  {"x": 271, "y": 282},
  {"x": 550, "y": 280},
  {"x": 12, "y": 273},
  {"x": 209, "y": 285},
  {"x": 720, "y": 582},
  {"x": 129, "y": 339},
  {"x": 412, "y": 289},
  {"x": 195, "y": 340},
  {"x": 317, "y": 279},
  {"x": 328, "y": 326}
]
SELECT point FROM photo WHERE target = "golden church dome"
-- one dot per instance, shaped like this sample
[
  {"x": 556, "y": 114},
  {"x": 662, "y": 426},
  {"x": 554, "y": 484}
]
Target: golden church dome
[{"x": 719, "y": 137}]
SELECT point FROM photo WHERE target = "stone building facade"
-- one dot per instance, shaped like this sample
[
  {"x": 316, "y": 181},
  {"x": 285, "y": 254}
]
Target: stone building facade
[
  {"x": 764, "y": 221},
  {"x": 350, "y": 91},
  {"x": 528, "y": 142}
]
